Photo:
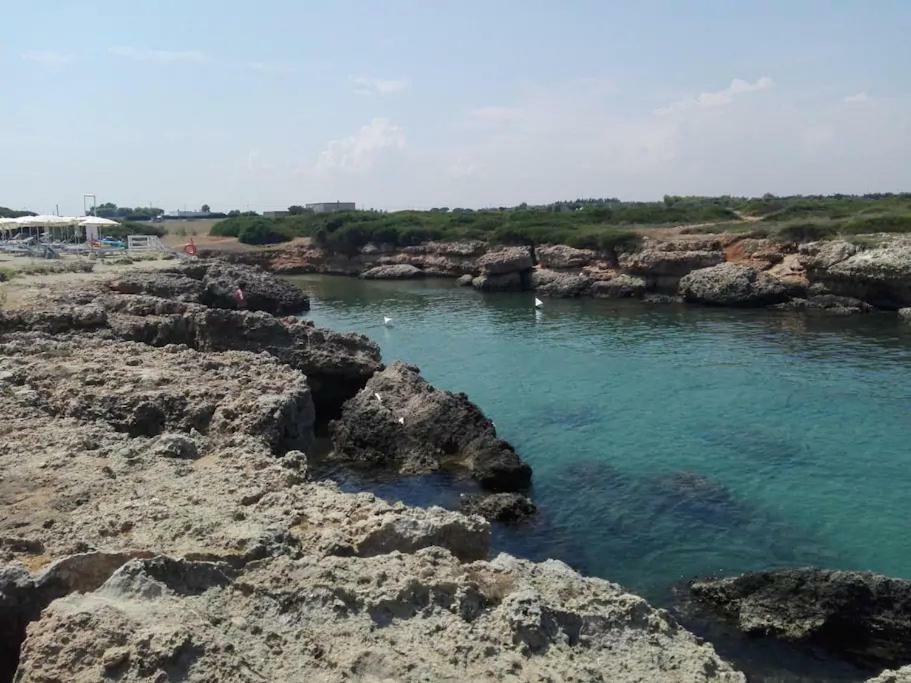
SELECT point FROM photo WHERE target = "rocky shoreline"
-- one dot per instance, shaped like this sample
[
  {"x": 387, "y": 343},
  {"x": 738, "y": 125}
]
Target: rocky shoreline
[
  {"x": 830, "y": 277},
  {"x": 160, "y": 523}
]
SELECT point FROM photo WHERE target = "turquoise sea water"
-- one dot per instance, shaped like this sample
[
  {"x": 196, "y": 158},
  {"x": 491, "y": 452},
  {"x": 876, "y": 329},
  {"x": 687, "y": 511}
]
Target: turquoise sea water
[{"x": 671, "y": 441}]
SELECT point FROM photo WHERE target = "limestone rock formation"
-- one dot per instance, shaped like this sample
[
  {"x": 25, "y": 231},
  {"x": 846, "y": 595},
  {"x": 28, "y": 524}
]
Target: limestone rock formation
[
  {"x": 829, "y": 304},
  {"x": 557, "y": 284},
  {"x": 560, "y": 256},
  {"x": 730, "y": 284},
  {"x": 663, "y": 263},
  {"x": 620, "y": 287},
  {"x": 905, "y": 314},
  {"x": 498, "y": 507},
  {"x": 142, "y": 391},
  {"x": 880, "y": 276},
  {"x": 399, "y": 420},
  {"x": 399, "y": 271},
  {"x": 861, "y": 614},
  {"x": 505, "y": 260},
  {"x": 403, "y": 617},
  {"x": 501, "y": 282},
  {"x": 336, "y": 365},
  {"x": 215, "y": 283}
]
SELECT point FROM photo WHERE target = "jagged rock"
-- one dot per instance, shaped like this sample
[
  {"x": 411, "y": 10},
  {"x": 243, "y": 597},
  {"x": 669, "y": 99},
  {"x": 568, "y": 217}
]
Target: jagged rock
[
  {"x": 400, "y": 271},
  {"x": 902, "y": 675},
  {"x": 663, "y": 263},
  {"x": 859, "y": 614},
  {"x": 176, "y": 446},
  {"x": 336, "y": 365},
  {"x": 262, "y": 291},
  {"x": 168, "y": 285},
  {"x": 499, "y": 507},
  {"x": 403, "y": 617},
  {"x": 553, "y": 283},
  {"x": 905, "y": 314},
  {"x": 416, "y": 428},
  {"x": 55, "y": 319},
  {"x": 880, "y": 276},
  {"x": 504, "y": 282},
  {"x": 505, "y": 260},
  {"x": 619, "y": 287},
  {"x": 826, "y": 303},
  {"x": 465, "y": 280},
  {"x": 557, "y": 256},
  {"x": 215, "y": 283},
  {"x": 144, "y": 391},
  {"x": 730, "y": 284},
  {"x": 652, "y": 298}
]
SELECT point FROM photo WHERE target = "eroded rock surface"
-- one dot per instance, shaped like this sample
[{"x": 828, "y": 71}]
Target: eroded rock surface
[
  {"x": 499, "y": 507},
  {"x": 730, "y": 284},
  {"x": 407, "y": 617},
  {"x": 399, "y": 420},
  {"x": 861, "y": 614},
  {"x": 399, "y": 271},
  {"x": 619, "y": 287}
]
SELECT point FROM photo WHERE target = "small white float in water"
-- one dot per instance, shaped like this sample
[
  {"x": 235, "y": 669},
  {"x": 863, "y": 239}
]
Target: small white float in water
[
  {"x": 386, "y": 320},
  {"x": 538, "y": 303}
]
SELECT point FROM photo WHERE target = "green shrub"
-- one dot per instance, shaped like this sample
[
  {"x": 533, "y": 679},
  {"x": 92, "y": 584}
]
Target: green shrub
[
  {"x": 263, "y": 231},
  {"x": 128, "y": 228}
]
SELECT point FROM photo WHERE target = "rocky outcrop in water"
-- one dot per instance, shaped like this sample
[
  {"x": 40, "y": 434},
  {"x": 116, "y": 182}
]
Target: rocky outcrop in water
[
  {"x": 730, "y": 284},
  {"x": 557, "y": 284},
  {"x": 861, "y": 614},
  {"x": 828, "y": 304},
  {"x": 902, "y": 675},
  {"x": 399, "y": 420},
  {"x": 562, "y": 257},
  {"x": 399, "y": 271},
  {"x": 878, "y": 275},
  {"x": 663, "y": 263},
  {"x": 499, "y": 507},
  {"x": 619, "y": 287}
]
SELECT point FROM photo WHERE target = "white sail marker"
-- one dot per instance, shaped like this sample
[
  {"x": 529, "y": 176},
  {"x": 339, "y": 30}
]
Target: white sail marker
[{"x": 538, "y": 303}]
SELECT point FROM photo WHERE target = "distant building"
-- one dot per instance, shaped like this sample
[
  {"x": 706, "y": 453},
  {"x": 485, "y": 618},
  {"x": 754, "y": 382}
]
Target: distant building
[
  {"x": 329, "y": 207},
  {"x": 276, "y": 214}
]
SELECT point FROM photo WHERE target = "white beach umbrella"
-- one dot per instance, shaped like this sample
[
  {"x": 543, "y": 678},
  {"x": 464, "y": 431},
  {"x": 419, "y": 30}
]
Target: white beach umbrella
[{"x": 97, "y": 220}]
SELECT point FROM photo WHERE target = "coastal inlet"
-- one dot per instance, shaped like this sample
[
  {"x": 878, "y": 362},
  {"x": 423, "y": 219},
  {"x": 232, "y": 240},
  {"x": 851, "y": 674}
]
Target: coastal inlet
[{"x": 667, "y": 441}]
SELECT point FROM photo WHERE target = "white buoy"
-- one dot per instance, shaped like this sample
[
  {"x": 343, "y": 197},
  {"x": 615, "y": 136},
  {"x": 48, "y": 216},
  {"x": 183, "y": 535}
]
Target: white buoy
[
  {"x": 538, "y": 303},
  {"x": 386, "y": 320},
  {"x": 378, "y": 398}
]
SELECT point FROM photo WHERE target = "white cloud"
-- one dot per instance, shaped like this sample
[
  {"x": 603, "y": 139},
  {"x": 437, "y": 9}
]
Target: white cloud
[
  {"x": 378, "y": 86},
  {"x": 859, "y": 97},
  {"x": 718, "y": 98},
  {"x": 160, "y": 56},
  {"x": 47, "y": 57},
  {"x": 360, "y": 151}
]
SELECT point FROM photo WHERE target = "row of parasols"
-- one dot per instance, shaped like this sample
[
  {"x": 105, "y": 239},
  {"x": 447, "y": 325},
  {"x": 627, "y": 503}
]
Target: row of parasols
[{"x": 50, "y": 221}]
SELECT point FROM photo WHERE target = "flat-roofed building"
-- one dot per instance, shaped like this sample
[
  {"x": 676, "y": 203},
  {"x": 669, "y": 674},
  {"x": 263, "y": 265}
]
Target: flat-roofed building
[{"x": 329, "y": 207}]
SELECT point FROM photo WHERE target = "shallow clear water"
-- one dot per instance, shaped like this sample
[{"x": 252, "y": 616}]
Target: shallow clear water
[{"x": 667, "y": 441}]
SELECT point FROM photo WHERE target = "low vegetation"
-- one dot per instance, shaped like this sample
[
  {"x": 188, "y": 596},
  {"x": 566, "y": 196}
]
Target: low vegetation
[{"x": 600, "y": 223}]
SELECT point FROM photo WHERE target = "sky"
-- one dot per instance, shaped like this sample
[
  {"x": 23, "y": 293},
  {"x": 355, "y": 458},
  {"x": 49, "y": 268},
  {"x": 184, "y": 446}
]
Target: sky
[{"x": 417, "y": 104}]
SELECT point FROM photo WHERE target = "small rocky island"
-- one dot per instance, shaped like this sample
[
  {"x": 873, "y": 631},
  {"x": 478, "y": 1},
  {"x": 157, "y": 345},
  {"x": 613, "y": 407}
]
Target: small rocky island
[{"x": 160, "y": 522}]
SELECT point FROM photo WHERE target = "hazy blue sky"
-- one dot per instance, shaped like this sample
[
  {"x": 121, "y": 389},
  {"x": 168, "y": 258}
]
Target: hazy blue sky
[{"x": 419, "y": 104}]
